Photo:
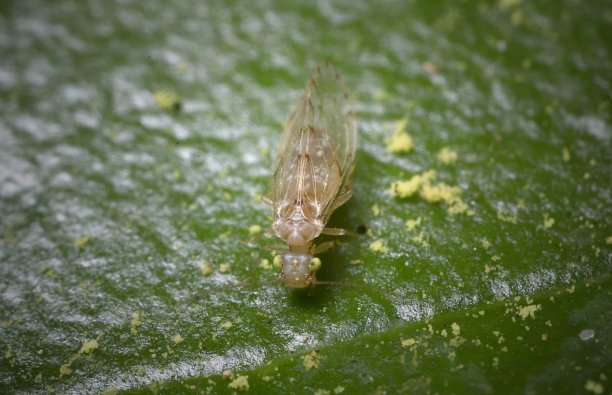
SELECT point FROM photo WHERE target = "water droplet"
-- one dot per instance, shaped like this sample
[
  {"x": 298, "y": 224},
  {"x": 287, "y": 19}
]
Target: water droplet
[{"x": 587, "y": 334}]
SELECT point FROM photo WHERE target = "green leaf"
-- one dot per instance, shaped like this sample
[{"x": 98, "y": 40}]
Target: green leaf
[{"x": 137, "y": 141}]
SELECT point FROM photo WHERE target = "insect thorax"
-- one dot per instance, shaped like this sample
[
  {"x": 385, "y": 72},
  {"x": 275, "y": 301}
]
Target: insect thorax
[{"x": 297, "y": 230}]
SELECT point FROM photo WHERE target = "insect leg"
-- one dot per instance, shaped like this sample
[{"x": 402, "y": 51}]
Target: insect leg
[
  {"x": 338, "y": 232},
  {"x": 325, "y": 246},
  {"x": 276, "y": 247}
]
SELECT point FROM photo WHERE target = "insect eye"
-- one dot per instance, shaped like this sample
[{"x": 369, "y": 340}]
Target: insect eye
[{"x": 315, "y": 264}]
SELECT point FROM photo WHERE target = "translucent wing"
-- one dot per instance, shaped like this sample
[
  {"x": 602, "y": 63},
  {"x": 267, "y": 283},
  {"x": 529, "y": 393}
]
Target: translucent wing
[{"x": 317, "y": 150}]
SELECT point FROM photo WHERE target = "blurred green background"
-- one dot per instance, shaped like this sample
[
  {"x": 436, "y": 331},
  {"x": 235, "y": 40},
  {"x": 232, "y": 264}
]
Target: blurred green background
[{"x": 138, "y": 137}]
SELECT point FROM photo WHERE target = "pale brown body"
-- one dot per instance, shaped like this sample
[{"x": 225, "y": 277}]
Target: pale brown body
[{"x": 312, "y": 173}]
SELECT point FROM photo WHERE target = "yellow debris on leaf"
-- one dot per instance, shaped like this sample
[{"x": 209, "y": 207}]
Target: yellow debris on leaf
[
  {"x": 205, "y": 267},
  {"x": 254, "y": 229},
  {"x": 167, "y": 100},
  {"x": 224, "y": 267},
  {"x": 65, "y": 370},
  {"x": 240, "y": 383},
  {"x": 408, "y": 342},
  {"x": 375, "y": 210},
  {"x": 226, "y": 325},
  {"x": 506, "y": 216},
  {"x": 447, "y": 156},
  {"x": 312, "y": 360},
  {"x": 485, "y": 244},
  {"x": 80, "y": 243},
  {"x": 401, "y": 140},
  {"x": 566, "y": 155},
  {"x": 609, "y": 240},
  {"x": 177, "y": 338},
  {"x": 456, "y": 329},
  {"x": 88, "y": 346},
  {"x": 594, "y": 387},
  {"x": 404, "y": 189},
  {"x": 420, "y": 239},
  {"x": 412, "y": 224},
  {"x": 548, "y": 222},
  {"x": 136, "y": 321},
  {"x": 265, "y": 264},
  {"x": 378, "y": 246},
  {"x": 528, "y": 311},
  {"x": 439, "y": 192}
]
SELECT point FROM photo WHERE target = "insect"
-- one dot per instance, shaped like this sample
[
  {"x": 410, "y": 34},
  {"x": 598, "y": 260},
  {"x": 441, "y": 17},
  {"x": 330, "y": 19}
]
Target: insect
[{"x": 312, "y": 174}]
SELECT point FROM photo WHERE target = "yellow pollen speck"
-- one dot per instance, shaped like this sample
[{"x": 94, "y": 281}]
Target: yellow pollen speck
[
  {"x": 443, "y": 333},
  {"x": 485, "y": 244},
  {"x": 88, "y": 346},
  {"x": 447, "y": 156},
  {"x": 506, "y": 216},
  {"x": 378, "y": 246},
  {"x": 226, "y": 325},
  {"x": 65, "y": 370},
  {"x": 312, "y": 360},
  {"x": 339, "y": 389},
  {"x": 594, "y": 387},
  {"x": 420, "y": 239},
  {"x": 265, "y": 264},
  {"x": 405, "y": 189},
  {"x": 205, "y": 267},
  {"x": 455, "y": 328},
  {"x": 240, "y": 383},
  {"x": 136, "y": 321},
  {"x": 167, "y": 100},
  {"x": 566, "y": 155},
  {"x": 412, "y": 224},
  {"x": 432, "y": 193},
  {"x": 177, "y": 338},
  {"x": 255, "y": 229},
  {"x": 80, "y": 243},
  {"x": 375, "y": 210},
  {"x": 224, "y": 267},
  {"x": 408, "y": 342},
  {"x": 529, "y": 311},
  {"x": 400, "y": 142},
  {"x": 609, "y": 240},
  {"x": 439, "y": 192},
  {"x": 548, "y": 222}
]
